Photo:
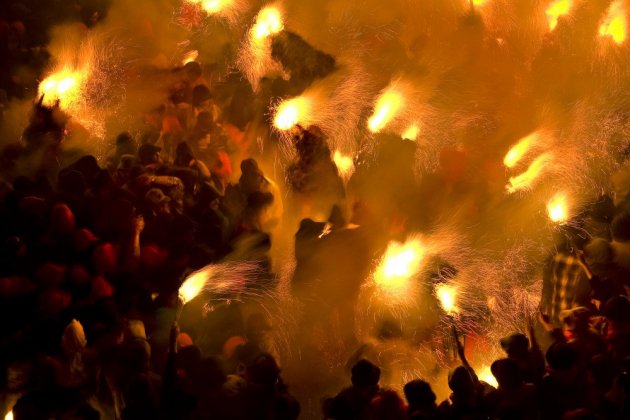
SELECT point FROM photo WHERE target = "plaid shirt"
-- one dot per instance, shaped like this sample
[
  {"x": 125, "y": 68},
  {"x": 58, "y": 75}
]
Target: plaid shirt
[{"x": 564, "y": 285}]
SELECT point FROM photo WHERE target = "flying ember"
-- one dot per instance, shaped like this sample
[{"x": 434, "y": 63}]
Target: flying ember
[
  {"x": 557, "y": 208},
  {"x": 556, "y": 9},
  {"x": 447, "y": 296},
  {"x": 614, "y": 25},
  {"x": 388, "y": 104},
  {"x": 411, "y": 133},
  {"x": 291, "y": 112},
  {"x": 345, "y": 164},
  {"x": 401, "y": 262},
  {"x": 519, "y": 150},
  {"x": 527, "y": 178}
]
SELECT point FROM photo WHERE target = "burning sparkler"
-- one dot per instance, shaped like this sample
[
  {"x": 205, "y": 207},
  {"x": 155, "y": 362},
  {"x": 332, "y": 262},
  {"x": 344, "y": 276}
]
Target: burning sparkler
[
  {"x": 411, "y": 133},
  {"x": 447, "y": 295},
  {"x": 519, "y": 150},
  {"x": 190, "y": 56},
  {"x": 396, "y": 270},
  {"x": 63, "y": 86},
  {"x": 345, "y": 165},
  {"x": 292, "y": 112},
  {"x": 527, "y": 178},
  {"x": 388, "y": 105},
  {"x": 486, "y": 375},
  {"x": 614, "y": 24},
  {"x": 268, "y": 22},
  {"x": 558, "y": 208},
  {"x": 556, "y": 9}
]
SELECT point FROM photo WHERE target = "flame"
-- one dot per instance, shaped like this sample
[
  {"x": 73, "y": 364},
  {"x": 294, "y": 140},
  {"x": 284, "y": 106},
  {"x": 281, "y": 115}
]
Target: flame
[
  {"x": 63, "y": 86},
  {"x": 519, "y": 150},
  {"x": 212, "y": 6},
  {"x": 268, "y": 22},
  {"x": 486, "y": 375},
  {"x": 411, "y": 133},
  {"x": 556, "y": 9},
  {"x": 291, "y": 112},
  {"x": 193, "y": 285},
  {"x": 527, "y": 178},
  {"x": 558, "y": 208},
  {"x": 190, "y": 56},
  {"x": 345, "y": 165},
  {"x": 447, "y": 296},
  {"x": 614, "y": 25},
  {"x": 398, "y": 266},
  {"x": 9, "y": 415},
  {"x": 480, "y": 2},
  {"x": 387, "y": 106}
]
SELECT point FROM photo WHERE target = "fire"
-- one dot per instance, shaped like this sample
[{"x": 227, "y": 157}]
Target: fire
[
  {"x": 411, "y": 133},
  {"x": 192, "y": 286},
  {"x": 345, "y": 165},
  {"x": 480, "y": 2},
  {"x": 9, "y": 415},
  {"x": 447, "y": 295},
  {"x": 388, "y": 104},
  {"x": 527, "y": 178},
  {"x": 519, "y": 150},
  {"x": 399, "y": 265},
  {"x": 291, "y": 112},
  {"x": 63, "y": 86},
  {"x": 556, "y": 9},
  {"x": 268, "y": 22},
  {"x": 212, "y": 6},
  {"x": 614, "y": 25},
  {"x": 558, "y": 209},
  {"x": 486, "y": 375},
  {"x": 190, "y": 56}
]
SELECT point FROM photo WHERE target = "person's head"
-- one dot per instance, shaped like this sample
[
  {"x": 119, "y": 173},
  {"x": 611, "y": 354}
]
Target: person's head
[
  {"x": 461, "y": 382},
  {"x": 263, "y": 371},
  {"x": 387, "y": 405},
  {"x": 201, "y": 96},
  {"x": 192, "y": 71},
  {"x": 183, "y": 154},
  {"x": 515, "y": 345},
  {"x": 149, "y": 154},
  {"x": 617, "y": 312},
  {"x": 419, "y": 394},
  {"x": 507, "y": 373},
  {"x": 562, "y": 358},
  {"x": 575, "y": 321},
  {"x": 365, "y": 374},
  {"x": 158, "y": 201},
  {"x": 62, "y": 220},
  {"x": 125, "y": 144}
]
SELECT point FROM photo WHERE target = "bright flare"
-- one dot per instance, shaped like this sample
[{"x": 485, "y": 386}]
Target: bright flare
[
  {"x": 291, "y": 112},
  {"x": 447, "y": 295},
  {"x": 9, "y": 415},
  {"x": 614, "y": 25},
  {"x": 558, "y": 208},
  {"x": 268, "y": 22},
  {"x": 519, "y": 150},
  {"x": 486, "y": 375},
  {"x": 556, "y": 9},
  {"x": 387, "y": 106},
  {"x": 193, "y": 285},
  {"x": 401, "y": 262},
  {"x": 63, "y": 86},
  {"x": 527, "y": 178},
  {"x": 345, "y": 165},
  {"x": 411, "y": 133},
  {"x": 190, "y": 56},
  {"x": 480, "y": 2}
]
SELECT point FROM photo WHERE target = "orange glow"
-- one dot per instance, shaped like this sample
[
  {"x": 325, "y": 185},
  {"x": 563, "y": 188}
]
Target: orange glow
[
  {"x": 190, "y": 56},
  {"x": 486, "y": 375},
  {"x": 556, "y": 9},
  {"x": 292, "y": 112},
  {"x": 614, "y": 24},
  {"x": 401, "y": 262},
  {"x": 388, "y": 104},
  {"x": 558, "y": 208},
  {"x": 480, "y": 2},
  {"x": 63, "y": 86},
  {"x": 527, "y": 178},
  {"x": 345, "y": 165},
  {"x": 519, "y": 150},
  {"x": 447, "y": 296},
  {"x": 193, "y": 285},
  {"x": 411, "y": 132},
  {"x": 212, "y": 6},
  {"x": 268, "y": 22}
]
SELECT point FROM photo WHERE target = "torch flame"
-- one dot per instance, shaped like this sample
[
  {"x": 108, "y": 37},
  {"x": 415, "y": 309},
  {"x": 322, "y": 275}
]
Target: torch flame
[
  {"x": 558, "y": 209},
  {"x": 519, "y": 150},
  {"x": 268, "y": 22},
  {"x": 556, "y": 9},
  {"x": 345, "y": 165},
  {"x": 527, "y": 178},
  {"x": 447, "y": 295},
  {"x": 411, "y": 133},
  {"x": 614, "y": 25},
  {"x": 480, "y": 2},
  {"x": 398, "y": 266},
  {"x": 63, "y": 86},
  {"x": 193, "y": 285},
  {"x": 9, "y": 415},
  {"x": 387, "y": 106},
  {"x": 190, "y": 56},
  {"x": 486, "y": 375},
  {"x": 291, "y": 112},
  {"x": 212, "y": 6}
]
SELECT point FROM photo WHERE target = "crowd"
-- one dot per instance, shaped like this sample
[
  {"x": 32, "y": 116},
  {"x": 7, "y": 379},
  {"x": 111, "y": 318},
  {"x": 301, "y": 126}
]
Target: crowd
[{"x": 93, "y": 254}]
